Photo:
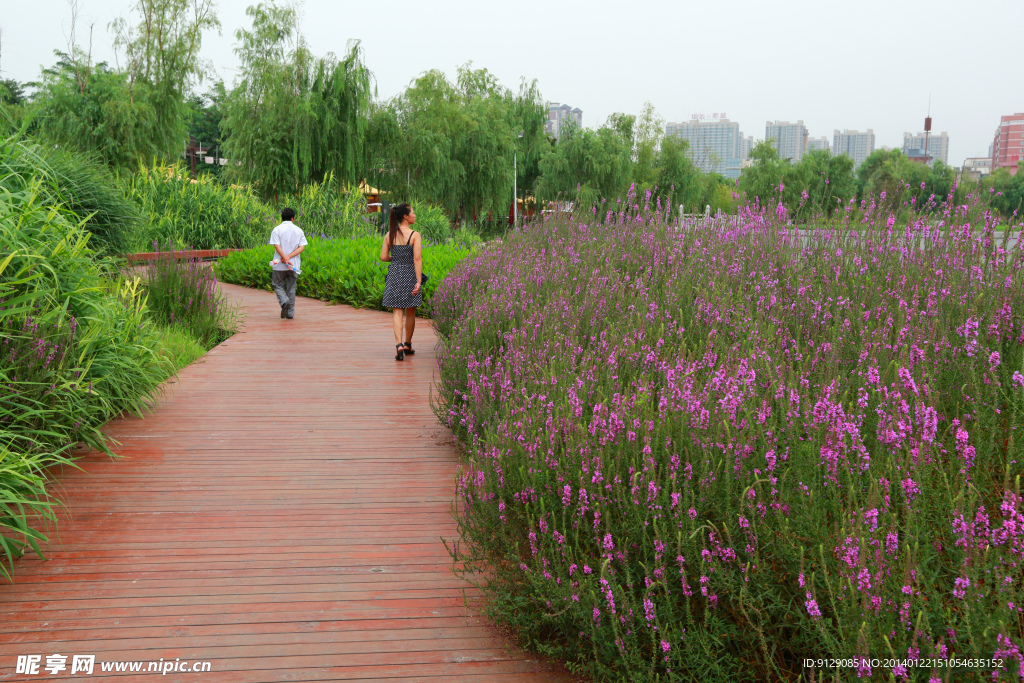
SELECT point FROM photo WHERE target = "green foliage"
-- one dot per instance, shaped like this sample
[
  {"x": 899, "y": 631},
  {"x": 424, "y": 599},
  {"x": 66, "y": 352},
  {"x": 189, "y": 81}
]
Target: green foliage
[
  {"x": 91, "y": 109},
  {"x": 828, "y": 181},
  {"x": 873, "y": 164},
  {"x": 138, "y": 115},
  {"x": 76, "y": 350},
  {"x": 1006, "y": 191},
  {"x": 466, "y": 238},
  {"x": 820, "y": 184},
  {"x": 294, "y": 118},
  {"x": 649, "y": 132},
  {"x": 679, "y": 181},
  {"x": 163, "y": 61},
  {"x": 204, "y": 119},
  {"x": 196, "y": 214},
  {"x": 894, "y": 181},
  {"x": 12, "y": 93},
  {"x": 347, "y": 271},
  {"x": 205, "y": 214},
  {"x": 764, "y": 181},
  {"x": 77, "y": 184},
  {"x": 183, "y": 292}
]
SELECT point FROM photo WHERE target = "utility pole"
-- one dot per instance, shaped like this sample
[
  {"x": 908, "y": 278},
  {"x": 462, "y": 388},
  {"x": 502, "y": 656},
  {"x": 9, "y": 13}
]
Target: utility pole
[
  {"x": 515, "y": 179},
  {"x": 927, "y": 130}
]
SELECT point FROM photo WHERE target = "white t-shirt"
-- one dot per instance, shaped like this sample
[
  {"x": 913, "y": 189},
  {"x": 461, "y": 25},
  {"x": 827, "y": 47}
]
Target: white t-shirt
[{"x": 289, "y": 236}]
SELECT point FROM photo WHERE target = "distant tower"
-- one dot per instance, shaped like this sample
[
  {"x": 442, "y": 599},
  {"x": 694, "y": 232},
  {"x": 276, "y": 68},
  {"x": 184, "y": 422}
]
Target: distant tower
[{"x": 927, "y": 130}]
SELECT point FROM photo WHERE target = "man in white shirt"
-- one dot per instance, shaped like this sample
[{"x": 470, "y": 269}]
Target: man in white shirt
[{"x": 289, "y": 241}]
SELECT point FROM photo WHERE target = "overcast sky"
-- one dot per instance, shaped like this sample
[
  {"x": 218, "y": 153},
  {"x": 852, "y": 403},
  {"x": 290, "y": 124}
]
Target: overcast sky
[{"x": 870, "y": 64}]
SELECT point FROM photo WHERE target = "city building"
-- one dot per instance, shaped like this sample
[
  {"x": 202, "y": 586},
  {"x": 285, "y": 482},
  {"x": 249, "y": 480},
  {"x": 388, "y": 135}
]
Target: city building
[
  {"x": 558, "y": 114},
  {"x": 855, "y": 144},
  {"x": 789, "y": 139},
  {"x": 938, "y": 147},
  {"x": 716, "y": 145},
  {"x": 976, "y": 168},
  {"x": 819, "y": 144},
  {"x": 1008, "y": 145},
  {"x": 746, "y": 144}
]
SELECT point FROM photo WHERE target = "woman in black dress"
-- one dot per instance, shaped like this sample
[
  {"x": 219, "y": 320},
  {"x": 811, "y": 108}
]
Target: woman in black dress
[{"x": 401, "y": 250}]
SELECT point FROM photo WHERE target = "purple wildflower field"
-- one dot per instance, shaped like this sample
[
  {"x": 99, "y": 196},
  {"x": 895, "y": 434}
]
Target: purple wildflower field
[{"x": 714, "y": 451}]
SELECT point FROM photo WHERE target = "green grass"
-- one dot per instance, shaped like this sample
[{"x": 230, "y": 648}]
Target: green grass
[{"x": 179, "y": 347}]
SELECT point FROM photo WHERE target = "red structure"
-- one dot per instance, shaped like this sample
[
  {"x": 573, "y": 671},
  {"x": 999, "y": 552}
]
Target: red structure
[{"x": 1008, "y": 145}]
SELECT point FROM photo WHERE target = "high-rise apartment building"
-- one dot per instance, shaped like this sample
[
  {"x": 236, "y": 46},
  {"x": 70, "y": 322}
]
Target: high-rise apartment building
[
  {"x": 716, "y": 146},
  {"x": 854, "y": 144},
  {"x": 938, "y": 147},
  {"x": 819, "y": 144},
  {"x": 558, "y": 114},
  {"x": 746, "y": 144},
  {"x": 789, "y": 139},
  {"x": 1008, "y": 145}
]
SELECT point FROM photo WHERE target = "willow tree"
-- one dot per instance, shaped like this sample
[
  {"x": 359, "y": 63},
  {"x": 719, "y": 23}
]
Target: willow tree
[
  {"x": 162, "y": 53},
  {"x": 453, "y": 144},
  {"x": 589, "y": 165},
  {"x": 294, "y": 118}
]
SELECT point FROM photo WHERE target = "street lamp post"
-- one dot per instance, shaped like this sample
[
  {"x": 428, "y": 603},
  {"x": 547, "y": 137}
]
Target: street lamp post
[{"x": 515, "y": 181}]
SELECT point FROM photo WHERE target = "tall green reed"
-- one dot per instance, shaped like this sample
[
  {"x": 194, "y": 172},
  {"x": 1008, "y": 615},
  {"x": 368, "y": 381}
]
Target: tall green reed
[
  {"x": 331, "y": 209},
  {"x": 194, "y": 214},
  {"x": 79, "y": 184},
  {"x": 77, "y": 349}
]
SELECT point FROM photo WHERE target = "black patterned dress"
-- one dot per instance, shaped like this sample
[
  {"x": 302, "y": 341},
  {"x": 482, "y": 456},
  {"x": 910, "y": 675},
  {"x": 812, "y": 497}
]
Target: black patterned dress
[{"x": 401, "y": 278}]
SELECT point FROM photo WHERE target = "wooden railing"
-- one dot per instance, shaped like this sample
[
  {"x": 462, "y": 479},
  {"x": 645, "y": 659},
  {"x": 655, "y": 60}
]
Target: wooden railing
[{"x": 184, "y": 254}]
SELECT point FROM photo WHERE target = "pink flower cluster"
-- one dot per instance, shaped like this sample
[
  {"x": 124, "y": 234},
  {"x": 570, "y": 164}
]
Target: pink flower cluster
[{"x": 743, "y": 427}]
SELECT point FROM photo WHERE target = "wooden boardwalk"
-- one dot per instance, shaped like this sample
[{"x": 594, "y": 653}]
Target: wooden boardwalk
[{"x": 279, "y": 515}]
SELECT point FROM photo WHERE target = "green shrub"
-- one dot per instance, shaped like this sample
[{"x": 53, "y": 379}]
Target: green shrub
[
  {"x": 77, "y": 349},
  {"x": 194, "y": 214},
  {"x": 182, "y": 291},
  {"x": 341, "y": 270}
]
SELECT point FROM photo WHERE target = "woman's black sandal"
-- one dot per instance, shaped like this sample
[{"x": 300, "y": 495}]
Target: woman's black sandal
[
  {"x": 408, "y": 349},
  {"x": 401, "y": 352}
]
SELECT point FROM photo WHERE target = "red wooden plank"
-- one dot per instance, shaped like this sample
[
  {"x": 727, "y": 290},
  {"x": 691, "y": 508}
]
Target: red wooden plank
[{"x": 283, "y": 529}]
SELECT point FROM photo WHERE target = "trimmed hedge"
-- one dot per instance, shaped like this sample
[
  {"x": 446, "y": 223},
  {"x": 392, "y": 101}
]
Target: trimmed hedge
[{"x": 345, "y": 271}]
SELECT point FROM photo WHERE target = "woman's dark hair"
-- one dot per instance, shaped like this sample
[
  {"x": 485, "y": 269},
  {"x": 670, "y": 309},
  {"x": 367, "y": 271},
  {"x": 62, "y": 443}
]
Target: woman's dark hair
[{"x": 398, "y": 212}]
